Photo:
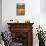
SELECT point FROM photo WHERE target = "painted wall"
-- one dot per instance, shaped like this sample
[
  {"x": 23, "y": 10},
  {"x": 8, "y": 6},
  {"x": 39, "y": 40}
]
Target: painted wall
[
  {"x": 0, "y": 15},
  {"x": 32, "y": 13},
  {"x": 43, "y": 6}
]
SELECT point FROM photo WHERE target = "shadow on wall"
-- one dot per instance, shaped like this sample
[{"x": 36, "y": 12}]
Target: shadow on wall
[
  {"x": 43, "y": 6},
  {"x": 0, "y": 15}
]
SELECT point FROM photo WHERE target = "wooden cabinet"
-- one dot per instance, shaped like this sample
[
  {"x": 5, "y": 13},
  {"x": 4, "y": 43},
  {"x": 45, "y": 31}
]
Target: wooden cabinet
[{"x": 22, "y": 33}]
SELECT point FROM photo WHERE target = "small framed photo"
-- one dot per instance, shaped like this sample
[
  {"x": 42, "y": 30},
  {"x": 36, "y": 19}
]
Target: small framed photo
[{"x": 20, "y": 9}]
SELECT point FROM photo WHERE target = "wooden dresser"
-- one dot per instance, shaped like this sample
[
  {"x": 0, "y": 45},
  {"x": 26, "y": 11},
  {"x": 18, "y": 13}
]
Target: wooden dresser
[{"x": 22, "y": 33}]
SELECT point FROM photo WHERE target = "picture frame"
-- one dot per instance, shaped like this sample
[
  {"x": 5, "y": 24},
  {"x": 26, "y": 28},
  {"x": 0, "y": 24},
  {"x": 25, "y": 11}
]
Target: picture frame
[{"x": 20, "y": 9}]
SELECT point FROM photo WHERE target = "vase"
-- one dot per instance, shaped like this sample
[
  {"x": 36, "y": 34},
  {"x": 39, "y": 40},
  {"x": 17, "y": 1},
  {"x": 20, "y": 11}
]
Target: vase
[{"x": 41, "y": 43}]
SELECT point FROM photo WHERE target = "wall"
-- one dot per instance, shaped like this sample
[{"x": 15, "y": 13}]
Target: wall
[
  {"x": 43, "y": 14},
  {"x": 0, "y": 15},
  {"x": 33, "y": 12},
  {"x": 43, "y": 6}
]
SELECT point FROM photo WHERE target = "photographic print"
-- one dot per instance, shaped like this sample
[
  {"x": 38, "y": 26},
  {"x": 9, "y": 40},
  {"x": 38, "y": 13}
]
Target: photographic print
[{"x": 20, "y": 9}]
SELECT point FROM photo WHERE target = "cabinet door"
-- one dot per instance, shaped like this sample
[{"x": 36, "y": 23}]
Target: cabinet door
[{"x": 20, "y": 37}]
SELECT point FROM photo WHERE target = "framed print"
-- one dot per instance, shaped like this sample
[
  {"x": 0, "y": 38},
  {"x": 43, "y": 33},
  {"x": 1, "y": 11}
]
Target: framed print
[{"x": 20, "y": 9}]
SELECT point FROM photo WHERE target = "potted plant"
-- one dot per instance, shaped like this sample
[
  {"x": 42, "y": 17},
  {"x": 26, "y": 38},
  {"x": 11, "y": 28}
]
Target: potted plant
[{"x": 41, "y": 36}]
